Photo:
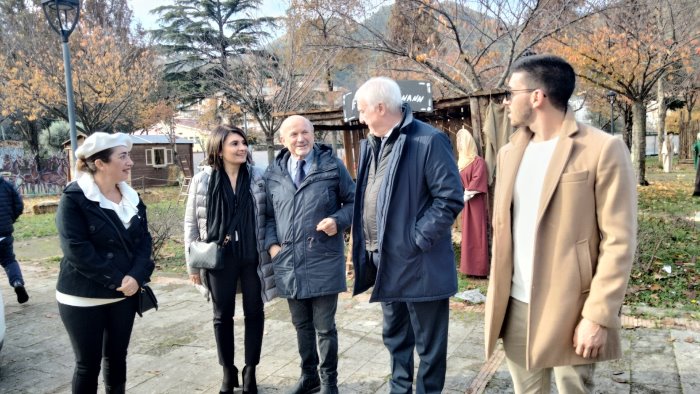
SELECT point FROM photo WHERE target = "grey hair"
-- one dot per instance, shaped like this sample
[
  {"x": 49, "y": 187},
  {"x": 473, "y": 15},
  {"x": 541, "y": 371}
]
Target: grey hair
[{"x": 381, "y": 90}]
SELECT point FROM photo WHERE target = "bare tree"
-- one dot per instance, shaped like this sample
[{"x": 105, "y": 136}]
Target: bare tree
[
  {"x": 467, "y": 45},
  {"x": 271, "y": 81},
  {"x": 628, "y": 49}
]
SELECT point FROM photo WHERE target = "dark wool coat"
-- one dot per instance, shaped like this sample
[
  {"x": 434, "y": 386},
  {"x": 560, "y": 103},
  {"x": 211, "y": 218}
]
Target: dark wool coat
[
  {"x": 419, "y": 199},
  {"x": 94, "y": 259}
]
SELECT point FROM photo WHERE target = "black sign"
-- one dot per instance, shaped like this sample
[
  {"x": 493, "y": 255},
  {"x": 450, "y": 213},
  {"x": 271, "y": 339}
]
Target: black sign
[{"x": 418, "y": 94}]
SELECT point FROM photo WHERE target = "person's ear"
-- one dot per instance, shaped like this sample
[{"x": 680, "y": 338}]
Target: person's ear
[
  {"x": 381, "y": 109},
  {"x": 537, "y": 98}
]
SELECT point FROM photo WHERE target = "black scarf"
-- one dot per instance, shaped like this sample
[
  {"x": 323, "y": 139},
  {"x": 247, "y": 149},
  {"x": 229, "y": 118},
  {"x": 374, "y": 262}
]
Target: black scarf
[{"x": 224, "y": 207}]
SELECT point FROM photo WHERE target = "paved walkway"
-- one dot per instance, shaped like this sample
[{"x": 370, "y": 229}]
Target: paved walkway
[{"x": 173, "y": 350}]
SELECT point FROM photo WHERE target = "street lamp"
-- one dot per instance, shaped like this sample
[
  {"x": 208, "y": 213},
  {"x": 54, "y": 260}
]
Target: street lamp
[
  {"x": 63, "y": 17},
  {"x": 611, "y": 98}
]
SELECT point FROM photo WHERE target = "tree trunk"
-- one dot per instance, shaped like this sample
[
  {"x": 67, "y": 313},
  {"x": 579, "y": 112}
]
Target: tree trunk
[
  {"x": 270, "y": 142},
  {"x": 627, "y": 127},
  {"x": 661, "y": 115},
  {"x": 639, "y": 144},
  {"x": 334, "y": 137}
]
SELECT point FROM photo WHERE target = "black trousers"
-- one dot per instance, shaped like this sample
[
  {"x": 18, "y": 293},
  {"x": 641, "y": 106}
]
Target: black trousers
[
  {"x": 222, "y": 285},
  {"x": 422, "y": 326},
  {"x": 99, "y": 334},
  {"x": 315, "y": 318}
]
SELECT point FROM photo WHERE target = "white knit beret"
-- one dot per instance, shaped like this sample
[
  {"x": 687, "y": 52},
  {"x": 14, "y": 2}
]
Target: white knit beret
[{"x": 100, "y": 141}]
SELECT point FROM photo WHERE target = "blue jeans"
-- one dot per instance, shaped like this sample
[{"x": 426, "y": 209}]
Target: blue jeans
[
  {"x": 9, "y": 262},
  {"x": 423, "y": 326},
  {"x": 311, "y": 317}
]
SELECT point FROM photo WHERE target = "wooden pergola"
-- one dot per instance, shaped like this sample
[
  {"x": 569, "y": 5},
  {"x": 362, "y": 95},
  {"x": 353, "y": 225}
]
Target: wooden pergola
[{"x": 449, "y": 115}]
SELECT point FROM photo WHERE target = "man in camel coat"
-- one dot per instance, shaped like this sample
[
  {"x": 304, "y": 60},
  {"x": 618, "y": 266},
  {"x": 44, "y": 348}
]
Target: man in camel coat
[{"x": 564, "y": 236}]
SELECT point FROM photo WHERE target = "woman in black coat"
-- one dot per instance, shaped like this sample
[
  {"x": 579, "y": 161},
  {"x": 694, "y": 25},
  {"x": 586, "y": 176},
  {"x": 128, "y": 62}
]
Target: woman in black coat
[{"x": 106, "y": 247}]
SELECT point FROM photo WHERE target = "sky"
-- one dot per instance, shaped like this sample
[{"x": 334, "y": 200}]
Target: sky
[{"x": 142, "y": 10}]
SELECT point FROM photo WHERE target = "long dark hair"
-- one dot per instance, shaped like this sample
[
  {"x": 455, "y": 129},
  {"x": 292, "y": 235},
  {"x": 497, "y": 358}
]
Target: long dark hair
[{"x": 216, "y": 144}]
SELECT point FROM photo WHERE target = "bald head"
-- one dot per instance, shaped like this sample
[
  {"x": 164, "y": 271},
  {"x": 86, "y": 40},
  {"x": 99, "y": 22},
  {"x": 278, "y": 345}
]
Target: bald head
[{"x": 297, "y": 135}]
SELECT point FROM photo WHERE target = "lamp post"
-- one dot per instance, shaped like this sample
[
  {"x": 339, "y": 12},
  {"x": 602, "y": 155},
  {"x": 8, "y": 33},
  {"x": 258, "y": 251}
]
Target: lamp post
[
  {"x": 63, "y": 17},
  {"x": 611, "y": 98}
]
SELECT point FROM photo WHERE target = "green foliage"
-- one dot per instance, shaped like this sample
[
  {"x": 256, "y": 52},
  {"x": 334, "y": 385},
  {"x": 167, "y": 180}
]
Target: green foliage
[
  {"x": 51, "y": 139},
  {"x": 666, "y": 272},
  {"x": 203, "y": 38},
  {"x": 668, "y": 240},
  {"x": 30, "y": 226}
]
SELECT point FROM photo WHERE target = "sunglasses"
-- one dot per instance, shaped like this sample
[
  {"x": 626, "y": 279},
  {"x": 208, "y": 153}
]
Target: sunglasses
[{"x": 509, "y": 93}]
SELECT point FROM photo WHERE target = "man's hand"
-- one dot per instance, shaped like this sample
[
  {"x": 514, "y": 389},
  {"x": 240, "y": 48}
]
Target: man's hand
[
  {"x": 328, "y": 226},
  {"x": 274, "y": 249},
  {"x": 589, "y": 338},
  {"x": 195, "y": 279},
  {"x": 129, "y": 286}
]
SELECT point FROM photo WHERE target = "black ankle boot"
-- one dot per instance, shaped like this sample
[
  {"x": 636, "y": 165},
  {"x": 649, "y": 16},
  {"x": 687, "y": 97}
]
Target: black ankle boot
[
  {"x": 250, "y": 385},
  {"x": 21, "y": 292},
  {"x": 230, "y": 379}
]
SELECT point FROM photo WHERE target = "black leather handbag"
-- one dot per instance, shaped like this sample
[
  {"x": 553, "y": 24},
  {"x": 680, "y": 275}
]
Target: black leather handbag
[{"x": 146, "y": 300}]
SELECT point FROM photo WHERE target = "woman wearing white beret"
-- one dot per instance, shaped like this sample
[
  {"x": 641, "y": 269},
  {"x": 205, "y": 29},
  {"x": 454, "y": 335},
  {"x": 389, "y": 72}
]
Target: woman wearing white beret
[{"x": 106, "y": 247}]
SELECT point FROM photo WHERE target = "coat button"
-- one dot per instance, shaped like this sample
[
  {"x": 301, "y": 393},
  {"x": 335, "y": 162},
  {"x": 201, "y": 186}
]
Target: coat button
[
  {"x": 110, "y": 255},
  {"x": 92, "y": 228},
  {"x": 111, "y": 241},
  {"x": 112, "y": 287}
]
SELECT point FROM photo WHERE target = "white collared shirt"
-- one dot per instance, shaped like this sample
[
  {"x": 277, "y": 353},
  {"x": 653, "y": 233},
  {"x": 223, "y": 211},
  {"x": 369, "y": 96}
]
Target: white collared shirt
[{"x": 125, "y": 209}]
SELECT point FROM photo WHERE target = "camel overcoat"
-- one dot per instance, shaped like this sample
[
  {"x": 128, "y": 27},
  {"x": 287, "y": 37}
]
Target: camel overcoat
[{"x": 584, "y": 244}]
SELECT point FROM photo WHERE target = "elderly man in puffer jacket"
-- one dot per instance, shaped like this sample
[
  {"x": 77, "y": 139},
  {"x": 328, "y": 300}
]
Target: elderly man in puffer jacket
[
  {"x": 309, "y": 203},
  {"x": 11, "y": 207}
]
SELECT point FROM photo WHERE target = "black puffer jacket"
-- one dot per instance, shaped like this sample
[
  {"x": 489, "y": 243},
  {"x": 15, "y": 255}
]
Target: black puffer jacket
[
  {"x": 11, "y": 207},
  {"x": 94, "y": 258}
]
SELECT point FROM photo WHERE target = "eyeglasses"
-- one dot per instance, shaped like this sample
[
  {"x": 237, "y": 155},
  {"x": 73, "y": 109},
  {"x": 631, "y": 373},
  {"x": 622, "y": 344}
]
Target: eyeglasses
[{"x": 509, "y": 93}]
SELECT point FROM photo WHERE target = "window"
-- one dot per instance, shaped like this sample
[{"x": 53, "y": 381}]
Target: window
[{"x": 159, "y": 157}]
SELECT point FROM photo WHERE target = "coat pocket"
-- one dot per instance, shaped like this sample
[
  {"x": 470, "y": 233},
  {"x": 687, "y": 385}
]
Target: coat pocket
[
  {"x": 574, "y": 176},
  {"x": 585, "y": 267}
]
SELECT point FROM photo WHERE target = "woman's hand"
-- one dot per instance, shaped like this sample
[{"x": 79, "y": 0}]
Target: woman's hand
[
  {"x": 129, "y": 286},
  {"x": 196, "y": 279}
]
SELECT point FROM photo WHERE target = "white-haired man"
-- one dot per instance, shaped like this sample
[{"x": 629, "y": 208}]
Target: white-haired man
[{"x": 408, "y": 195}]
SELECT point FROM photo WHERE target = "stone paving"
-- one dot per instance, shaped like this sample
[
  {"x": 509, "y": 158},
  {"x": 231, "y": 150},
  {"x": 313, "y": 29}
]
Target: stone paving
[{"x": 173, "y": 350}]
